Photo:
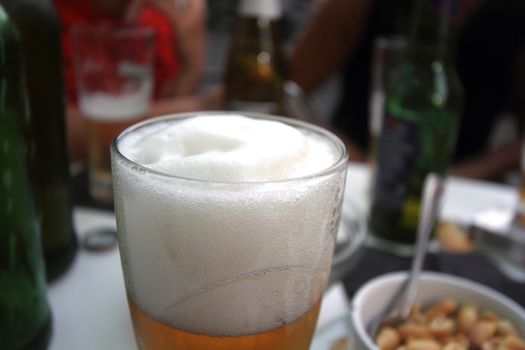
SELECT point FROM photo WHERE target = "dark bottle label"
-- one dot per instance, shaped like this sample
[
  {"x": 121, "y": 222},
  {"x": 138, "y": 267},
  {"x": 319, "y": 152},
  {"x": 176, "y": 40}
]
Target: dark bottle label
[{"x": 397, "y": 156}]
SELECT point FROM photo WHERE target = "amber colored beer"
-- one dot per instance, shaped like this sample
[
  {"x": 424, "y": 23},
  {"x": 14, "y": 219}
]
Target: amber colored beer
[
  {"x": 152, "y": 334},
  {"x": 101, "y": 132}
]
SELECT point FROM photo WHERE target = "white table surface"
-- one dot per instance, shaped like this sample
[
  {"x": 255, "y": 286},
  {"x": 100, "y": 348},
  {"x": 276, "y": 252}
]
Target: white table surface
[{"x": 89, "y": 303}]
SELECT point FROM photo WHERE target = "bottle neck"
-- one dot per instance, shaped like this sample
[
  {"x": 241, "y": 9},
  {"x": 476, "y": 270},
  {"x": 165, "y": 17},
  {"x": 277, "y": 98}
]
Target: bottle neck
[
  {"x": 258, "y": 26},
  {"x": 434, "y": 28},
  {"x": 268, "y": 9}
]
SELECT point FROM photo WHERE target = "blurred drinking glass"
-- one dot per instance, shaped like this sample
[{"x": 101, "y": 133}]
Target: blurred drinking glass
[
  {"x": 113, "y": 69},
  {"x": 387, "y": 53},
  {"x": 226, "y": 240}
]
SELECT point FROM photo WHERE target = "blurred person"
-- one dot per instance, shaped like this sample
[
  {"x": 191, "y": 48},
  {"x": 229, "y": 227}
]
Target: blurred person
[
  {"x": 340, "y": 37},
  {"x": 188, "y": 18},
  {"x": 491, "y": 65},
  {"x": 178, "y": 61}
]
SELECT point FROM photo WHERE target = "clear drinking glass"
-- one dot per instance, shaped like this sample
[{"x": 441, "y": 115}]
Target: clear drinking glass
[
  {"x": 225, "y": 265},
  {"x": 113, "y": 72}
]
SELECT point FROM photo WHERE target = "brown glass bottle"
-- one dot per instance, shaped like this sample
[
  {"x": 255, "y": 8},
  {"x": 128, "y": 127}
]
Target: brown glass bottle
[
  {"x": 255, "y": 70},
  {"x": 38, "y": 24}
]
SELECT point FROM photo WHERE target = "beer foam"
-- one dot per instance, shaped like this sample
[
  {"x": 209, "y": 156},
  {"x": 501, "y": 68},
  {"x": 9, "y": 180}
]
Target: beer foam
[
  {"x": 230, "y": 149},
  {"x": 220, "y": 258},
  {"x": 106, "y": 107}
]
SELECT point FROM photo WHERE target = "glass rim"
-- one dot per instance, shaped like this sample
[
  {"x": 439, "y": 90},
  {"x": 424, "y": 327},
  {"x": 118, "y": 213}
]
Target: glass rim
[
  {"x": 116, "y": 31},
  {"x": 337, "y": 165}
]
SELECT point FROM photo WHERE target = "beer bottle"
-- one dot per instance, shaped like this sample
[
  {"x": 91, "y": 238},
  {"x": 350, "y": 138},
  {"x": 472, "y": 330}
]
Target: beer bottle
[
  {"x": 38, "y": 25},
  {"x": 423, "y": 106},
  {"x": 255, "y": 69},
  {"x": 25, "y": 316}
]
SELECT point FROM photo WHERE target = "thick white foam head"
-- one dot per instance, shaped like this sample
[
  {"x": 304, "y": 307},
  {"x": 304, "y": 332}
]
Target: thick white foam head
[
  {"x": 224, "y": 258},
  {"x": 230, "y": 149},
  {"x": 270, "y": 9}
]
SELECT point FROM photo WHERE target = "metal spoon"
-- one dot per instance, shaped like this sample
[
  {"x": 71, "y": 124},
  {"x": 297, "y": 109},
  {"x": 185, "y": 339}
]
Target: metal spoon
[{"x": 399, "y": 308}]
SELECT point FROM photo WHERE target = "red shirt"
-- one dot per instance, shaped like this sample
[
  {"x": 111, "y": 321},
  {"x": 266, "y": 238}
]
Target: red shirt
[{"x": 82, "y": 12}]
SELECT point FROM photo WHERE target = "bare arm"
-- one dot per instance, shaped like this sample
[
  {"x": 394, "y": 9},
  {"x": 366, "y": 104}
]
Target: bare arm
[
  {"x": 326, "y": 41},
  {"x": 331, "y": 35},
  {"x": 490, "y": 165},
  {"x": 189, "y": 20},
  {"x": 193, "y": 47}
]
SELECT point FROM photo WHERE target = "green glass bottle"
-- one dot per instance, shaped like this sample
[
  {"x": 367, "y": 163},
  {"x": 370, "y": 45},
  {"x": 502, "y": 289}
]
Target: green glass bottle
[
  {"x": 38, "y": 24},
  {"x": 421, "y": 121},
  {"x": 25, "y": 316},
  {"x": 255, "y": 69}
]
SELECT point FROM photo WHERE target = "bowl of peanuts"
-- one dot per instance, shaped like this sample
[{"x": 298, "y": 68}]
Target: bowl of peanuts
[{"x": 450, "y": 313}]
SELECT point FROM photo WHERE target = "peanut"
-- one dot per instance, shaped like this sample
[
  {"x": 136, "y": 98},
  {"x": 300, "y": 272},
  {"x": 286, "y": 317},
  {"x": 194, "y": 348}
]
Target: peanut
[
  {"x": 441, "y": 327},
  {"x": 411, "y": 330},
  {"x": 454, "y": 238},
  {"x": 388, "y": 338},
  {"x": 482, "y": 331},
  {"x": 443, "y": 307},
  {"x": 423, "y": 344},
  {"x": 468, "y": 315},
  {"x": 489, "y": 316},
  {"x": 513, "y": 342},
  {"x": 492, "y": 344},
  {"x": 456, "y": 342},
  {"x": 505, "y": 327}
]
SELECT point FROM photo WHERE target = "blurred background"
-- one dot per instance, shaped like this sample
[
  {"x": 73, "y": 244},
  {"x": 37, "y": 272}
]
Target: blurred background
[
  {"x": 220, "y": 28},
  {"x": 488, "y": 56}
]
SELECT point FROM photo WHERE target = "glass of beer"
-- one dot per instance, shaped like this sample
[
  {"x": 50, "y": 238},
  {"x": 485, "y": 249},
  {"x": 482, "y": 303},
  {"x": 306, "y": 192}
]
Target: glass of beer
[
  {"x": 113, "y": 71},
  {"x": 226, "y": 227}
]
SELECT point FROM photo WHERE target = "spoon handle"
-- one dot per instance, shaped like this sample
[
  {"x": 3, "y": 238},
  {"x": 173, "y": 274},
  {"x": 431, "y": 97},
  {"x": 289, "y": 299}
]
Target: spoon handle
[{"x": 432, "y": 190}]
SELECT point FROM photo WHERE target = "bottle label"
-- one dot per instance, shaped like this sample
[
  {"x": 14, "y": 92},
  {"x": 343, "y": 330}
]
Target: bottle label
[
  {"x": 397, "y": 156},
  {"x": 447, "y": 9},
  {"x": 247, "y": 106},
  {"x": 270, "y": 9}
]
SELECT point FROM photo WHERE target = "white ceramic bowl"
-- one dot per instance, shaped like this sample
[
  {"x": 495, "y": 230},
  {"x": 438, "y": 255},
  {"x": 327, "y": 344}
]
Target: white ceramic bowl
[{"x": 373, "y": 296}]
